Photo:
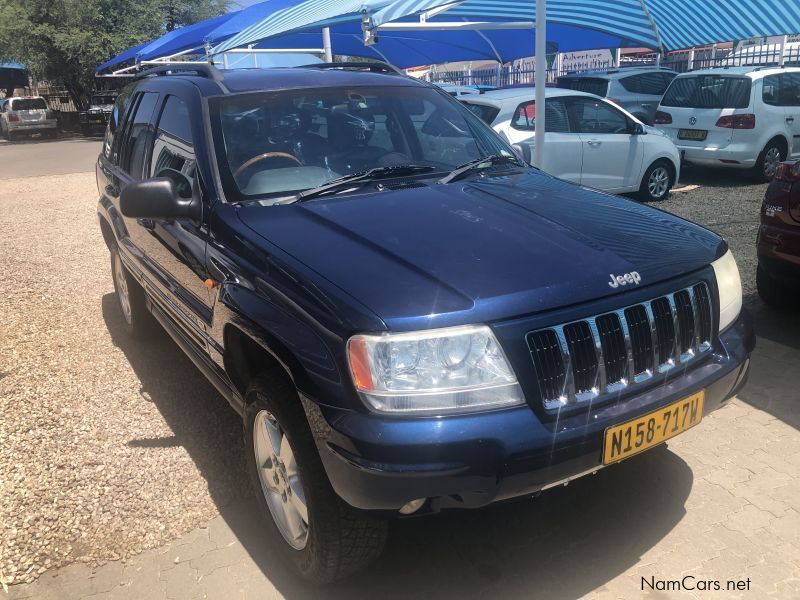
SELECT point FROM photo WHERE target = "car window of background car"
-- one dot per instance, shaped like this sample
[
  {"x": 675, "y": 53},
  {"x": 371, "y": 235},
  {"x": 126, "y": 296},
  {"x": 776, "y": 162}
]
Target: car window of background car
[
  {"x": 595, "y": 116},
  {"x": 590, "y": 85},
  {"x": 294, "y": 140},
  {"x": 28, "y": 104},
  {"x": 484, "y": 112},
  {"x": 116, "y": 122},
  {"x": 556, "y": 120},
  {"x": 138, "y": 133},
  {"x": 708, "y": 91},
  {"x": 653, "y": 84},
  {"x": 781, "y": 90},
  {"x": 173, "y": 148}
]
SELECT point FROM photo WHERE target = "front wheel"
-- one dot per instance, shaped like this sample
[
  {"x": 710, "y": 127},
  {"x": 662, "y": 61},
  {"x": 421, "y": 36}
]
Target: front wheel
[
  {"x": 322, "y": 536},
  {"x": 656, "y": 182}
]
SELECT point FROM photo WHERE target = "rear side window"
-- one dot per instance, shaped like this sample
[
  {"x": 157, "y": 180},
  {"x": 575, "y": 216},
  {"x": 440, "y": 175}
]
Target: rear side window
[
  {"x": 485, "y": 113},
  {"x": 28, "y": 104},
  {"x": 116, "y": 121},
  {"x": 652, "y": 84},
  {"x": 173, "y": 149},
  {"x": 591, "y": 85},
  {"x": 139, "y": 133},
  {"x": 781, "y": 90},
  {"x": 708, "y": 91},
  {"x": 556, "y": 113}
]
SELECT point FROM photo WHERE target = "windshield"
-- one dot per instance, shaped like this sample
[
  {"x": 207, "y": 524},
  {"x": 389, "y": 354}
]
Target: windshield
[
  {"x": 271, "y": 144},
  {"x": 708, "y": 91},
  {"x": 102, "y": 100},
  {"x": 590, "y": 85},
  {"x": 29, "y": 104}
]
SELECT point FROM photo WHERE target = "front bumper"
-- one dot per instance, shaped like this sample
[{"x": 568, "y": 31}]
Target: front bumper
[
  {"x": 32, "y": 125},
  {"x": 382, "y": 463}
]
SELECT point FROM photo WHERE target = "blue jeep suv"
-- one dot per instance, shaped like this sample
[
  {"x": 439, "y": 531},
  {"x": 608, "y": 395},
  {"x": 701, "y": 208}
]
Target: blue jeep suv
[{"x": 407, "y": 317}]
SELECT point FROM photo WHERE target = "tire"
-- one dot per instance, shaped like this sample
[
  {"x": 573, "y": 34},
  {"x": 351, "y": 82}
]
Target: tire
[
  {"x": 331, "y": 540},
  {"x": 656, "y": 182},
  {"x": 773, "y": 293},
  {"x": 136, "y": 319},
  {"x": 768, "y": 160}
]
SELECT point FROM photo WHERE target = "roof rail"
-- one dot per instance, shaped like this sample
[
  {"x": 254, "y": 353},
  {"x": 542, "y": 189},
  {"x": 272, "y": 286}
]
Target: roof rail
[
  {"x": 374, "y": 66},
  {"x": 202, "y": 69}
]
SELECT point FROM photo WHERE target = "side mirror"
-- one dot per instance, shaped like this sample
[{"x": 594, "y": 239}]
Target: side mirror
[
  {"x": 157, "y": 198},
  {"x": 638, "y": 129}
]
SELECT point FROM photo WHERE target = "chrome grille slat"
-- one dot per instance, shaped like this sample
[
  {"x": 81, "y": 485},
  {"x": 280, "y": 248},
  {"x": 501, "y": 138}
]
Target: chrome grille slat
[{"x": 607, "y": 353}]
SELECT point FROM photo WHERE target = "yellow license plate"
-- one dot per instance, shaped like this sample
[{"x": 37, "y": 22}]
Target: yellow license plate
[{"x": 622, "y": 441}]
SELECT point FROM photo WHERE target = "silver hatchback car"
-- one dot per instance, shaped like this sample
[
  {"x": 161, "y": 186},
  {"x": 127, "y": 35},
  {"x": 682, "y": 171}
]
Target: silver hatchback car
[{"x": 636, "y": 89}]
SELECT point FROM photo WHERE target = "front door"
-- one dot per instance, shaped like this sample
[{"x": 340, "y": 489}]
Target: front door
[
  {"x": 176, "y": 248},
  {"x": 612, "y": 156}
]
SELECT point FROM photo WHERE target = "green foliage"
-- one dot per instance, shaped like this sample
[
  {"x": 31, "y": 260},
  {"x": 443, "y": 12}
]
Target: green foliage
[{"x": 63, "y": 41}]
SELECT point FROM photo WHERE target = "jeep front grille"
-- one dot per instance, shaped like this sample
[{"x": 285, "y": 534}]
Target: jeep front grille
[{"x": 608, "y": 353}]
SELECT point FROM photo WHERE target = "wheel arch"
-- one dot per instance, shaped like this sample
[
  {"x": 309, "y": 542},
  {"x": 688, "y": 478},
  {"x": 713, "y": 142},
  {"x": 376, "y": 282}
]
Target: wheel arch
[
  {"x": 782, "y": 140},
  {"x": 107, "y": 231}
]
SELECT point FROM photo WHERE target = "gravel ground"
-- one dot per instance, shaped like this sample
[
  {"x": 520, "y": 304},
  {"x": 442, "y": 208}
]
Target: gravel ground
[{"x": 104, "y": 452}]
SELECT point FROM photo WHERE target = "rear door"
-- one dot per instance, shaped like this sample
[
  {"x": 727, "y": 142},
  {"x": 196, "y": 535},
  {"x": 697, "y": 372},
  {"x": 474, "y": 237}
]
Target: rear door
[
  {"x": 563, "y": 149},
  {"x": 789, "y": 99},
  {"x": 612, "y": 155},
  {"x": 696, "y": 102}
]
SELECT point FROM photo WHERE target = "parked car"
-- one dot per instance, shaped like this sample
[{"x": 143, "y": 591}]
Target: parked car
[
  {"x": 778, "y": 274},
  {"x": 94, "y": 119},
  {"x": 464, "y": 90},
  {"x": 407, "y": 317},
  {"x": 636, "y": 89},
  {"x": 737, "y": 117},
  {"x": 27, "y": 115},
  {"x": 589, "y": 140}
]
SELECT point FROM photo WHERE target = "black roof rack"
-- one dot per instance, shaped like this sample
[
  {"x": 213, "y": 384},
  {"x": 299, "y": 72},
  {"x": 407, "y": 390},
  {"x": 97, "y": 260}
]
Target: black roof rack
[
  {"x": 206, "y": 70},
  {"x": 374, "y": 66}
]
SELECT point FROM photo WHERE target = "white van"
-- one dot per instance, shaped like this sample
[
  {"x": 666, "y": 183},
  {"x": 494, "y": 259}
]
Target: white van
[{"x": 739, "y": 117}]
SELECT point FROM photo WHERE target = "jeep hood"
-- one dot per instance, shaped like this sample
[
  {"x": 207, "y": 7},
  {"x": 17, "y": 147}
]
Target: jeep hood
[{"x": 483, "y": 249}]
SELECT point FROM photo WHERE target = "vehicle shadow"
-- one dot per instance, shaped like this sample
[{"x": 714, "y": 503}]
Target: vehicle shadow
[
  {"x": 563, "y": 544},
  {"x": 775, "y": 362},
  {"x": 711, "y": 177}
]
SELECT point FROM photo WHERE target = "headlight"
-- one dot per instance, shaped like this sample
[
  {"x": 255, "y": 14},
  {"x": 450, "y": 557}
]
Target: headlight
[
  {"x": 458, "y": 369},
  {"x": 730, "y": 289}
]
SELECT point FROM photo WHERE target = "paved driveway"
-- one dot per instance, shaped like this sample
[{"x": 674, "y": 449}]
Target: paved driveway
[
  {"x": 721, "y": 502},
  {"x": 34, "y": 157}
]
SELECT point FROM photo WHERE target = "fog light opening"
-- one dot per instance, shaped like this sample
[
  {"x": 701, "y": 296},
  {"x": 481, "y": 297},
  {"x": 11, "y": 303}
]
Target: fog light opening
[{"x": 412, "y": 506}]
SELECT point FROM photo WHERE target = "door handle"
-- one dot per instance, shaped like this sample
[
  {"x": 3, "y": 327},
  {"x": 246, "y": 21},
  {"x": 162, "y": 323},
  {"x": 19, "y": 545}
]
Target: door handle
[
  {"x": 790, "y": 119},
  {"x": 112, "y": 190},
  {"x": 594, "y": 143}
]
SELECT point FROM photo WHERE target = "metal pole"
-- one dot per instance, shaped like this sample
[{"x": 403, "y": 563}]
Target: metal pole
[
  {"x": 540, "y": 80},
  {"x": 617, "y": 57},
  {"x": 326, "y": 44},
  {"x": 690, "y": 61},
  {"x": 782, "y": 57}
]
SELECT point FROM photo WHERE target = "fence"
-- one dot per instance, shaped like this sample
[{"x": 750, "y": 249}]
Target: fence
[{"x": 680, "y": 61}]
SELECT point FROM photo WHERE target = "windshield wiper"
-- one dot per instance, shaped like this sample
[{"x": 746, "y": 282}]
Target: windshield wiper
[
  {"x": 480, "y": 163},
  {"x": 369, "y": 174}
]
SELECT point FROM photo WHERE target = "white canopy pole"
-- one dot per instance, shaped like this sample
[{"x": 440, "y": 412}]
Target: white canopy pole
[
  {"x": 326, "y": 44},
  {"x": 540, "y": 79}
]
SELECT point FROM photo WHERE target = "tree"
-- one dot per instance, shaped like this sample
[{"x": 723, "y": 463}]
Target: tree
[{"x": 63, "y": 41}]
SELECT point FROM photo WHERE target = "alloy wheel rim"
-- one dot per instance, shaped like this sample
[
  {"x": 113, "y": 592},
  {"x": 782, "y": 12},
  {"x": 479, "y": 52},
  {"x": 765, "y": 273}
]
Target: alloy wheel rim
[
  {"x": 122, "y": 288},
  {"x": 280, "y": 479},
  {"x": 658, "y": 182},
  {"x": 771, "y": 160}
]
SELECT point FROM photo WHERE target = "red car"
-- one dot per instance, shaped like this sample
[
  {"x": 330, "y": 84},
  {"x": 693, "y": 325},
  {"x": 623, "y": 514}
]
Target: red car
[{"x": 779, "y": 238}]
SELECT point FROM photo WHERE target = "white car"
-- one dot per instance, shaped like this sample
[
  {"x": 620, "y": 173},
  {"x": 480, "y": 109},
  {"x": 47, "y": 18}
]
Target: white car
[
  {"x": 27, "y": 115},
  {"x": 458, "y": 90},
  {"x": 589, "y": 140},
  {"x": 738, "y": 117}
]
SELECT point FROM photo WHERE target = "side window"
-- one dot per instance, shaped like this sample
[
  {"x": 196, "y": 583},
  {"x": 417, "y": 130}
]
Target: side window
[
  {"x": 116, "y": 122},
  {"x": 653, "y": 84},
  {"x": 139, "y": 132},
  {"x": 771, "y": 90},
  {"x": 631, "y": 84},
  {"x": 173, "y": 148},
  {"x": 556, "y": 120},
  {"x": 594, "y": 116},
  {"x": 790, "y": 90}
]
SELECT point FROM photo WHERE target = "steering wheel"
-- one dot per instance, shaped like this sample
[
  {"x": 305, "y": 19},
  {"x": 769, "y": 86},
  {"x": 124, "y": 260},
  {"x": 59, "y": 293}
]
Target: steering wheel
[{"x": 259, "y": 157}]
